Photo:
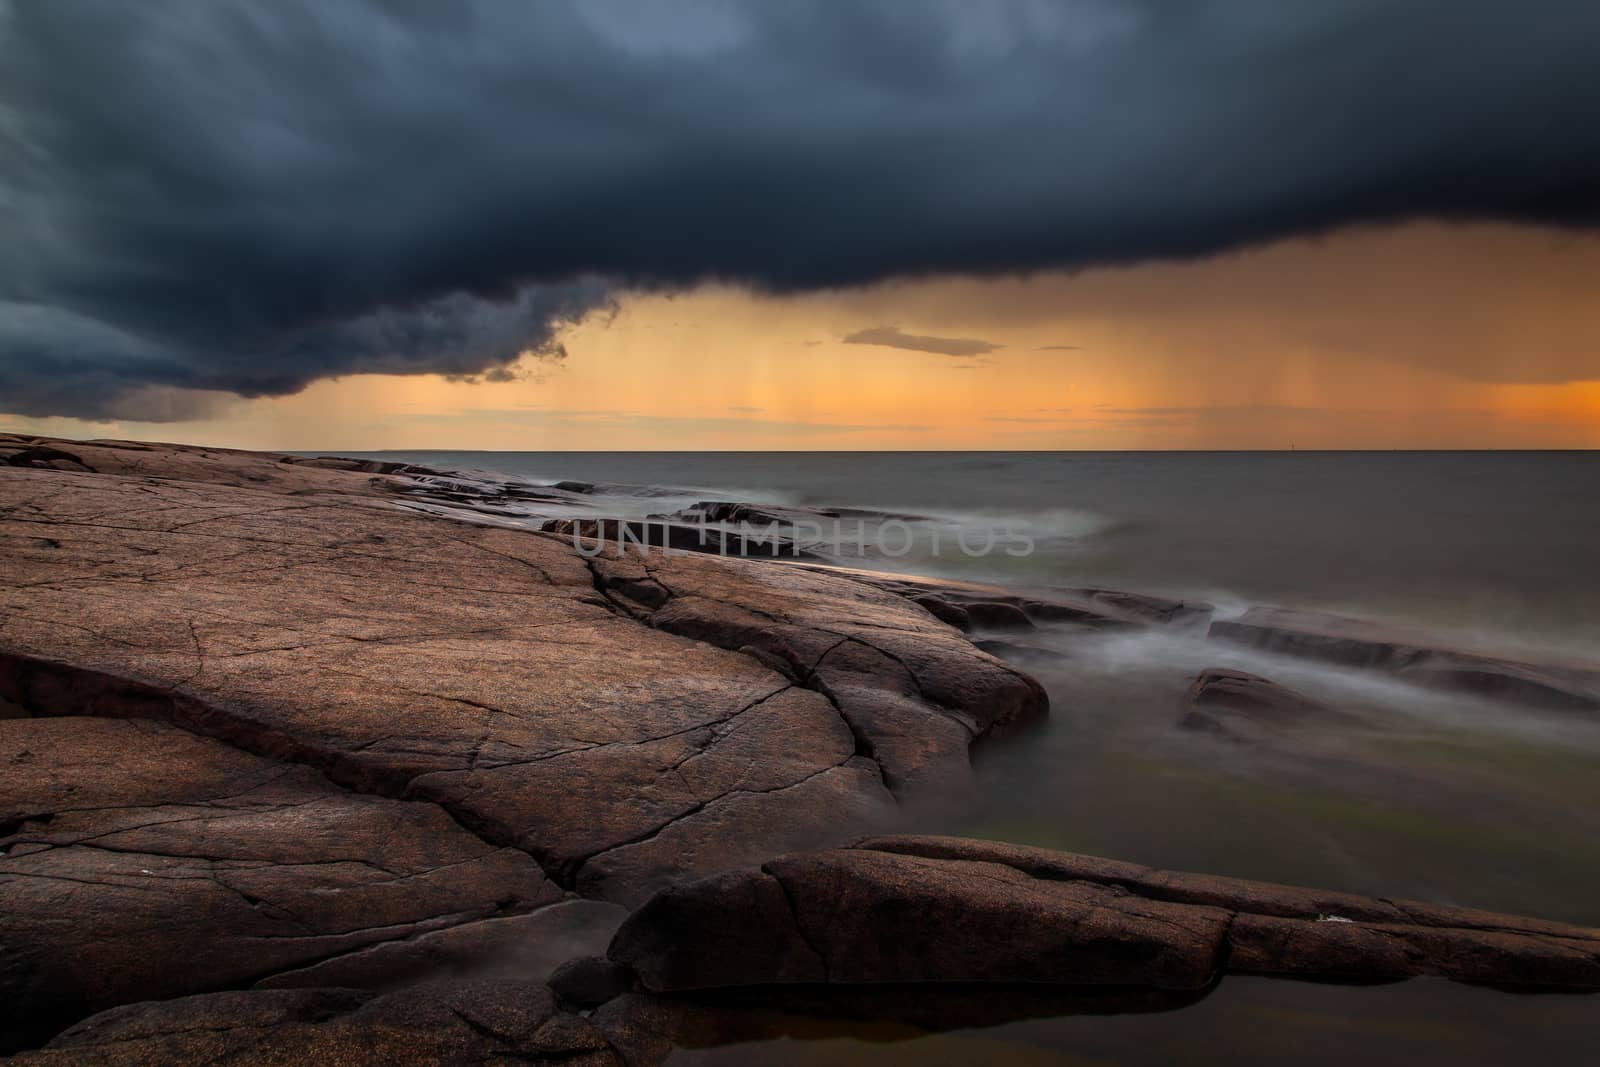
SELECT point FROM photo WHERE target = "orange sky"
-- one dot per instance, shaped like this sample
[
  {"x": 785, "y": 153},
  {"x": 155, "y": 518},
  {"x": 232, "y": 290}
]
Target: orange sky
[{"x": 1422, "y": 336}]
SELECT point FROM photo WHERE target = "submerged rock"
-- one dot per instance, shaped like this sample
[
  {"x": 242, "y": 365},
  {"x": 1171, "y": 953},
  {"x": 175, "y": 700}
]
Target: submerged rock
[
  {"x": 952, "y": 910},
  {"x": 1360, "y": 643},
  {"x": 588, "y": 981},
  {"x": 1246, "y": 706},
  {"x": 1155, "y": 609}
]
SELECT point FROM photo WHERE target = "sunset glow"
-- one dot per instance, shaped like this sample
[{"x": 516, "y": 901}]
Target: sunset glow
[{"x": 1422, "y": 336}]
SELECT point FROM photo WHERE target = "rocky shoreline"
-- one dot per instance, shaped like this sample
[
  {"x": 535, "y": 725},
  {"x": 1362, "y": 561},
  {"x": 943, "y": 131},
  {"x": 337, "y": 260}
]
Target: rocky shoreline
[{"x": 295, "y": 755}]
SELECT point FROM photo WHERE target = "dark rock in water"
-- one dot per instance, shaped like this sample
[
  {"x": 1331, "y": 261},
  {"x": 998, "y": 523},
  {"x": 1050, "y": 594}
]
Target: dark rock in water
[
  {"x": 454, "y": 1022},
  {"x": 953, "y": 910},
  {"x": 1359, "y": 643},
  {"x": 770, "y": 514},
  {"x": 590, "y": 981},
  {"x": 1011, "y": 649},
  {"x": 728, "y": 511},
  {"x": 1053, "y": 611},
  {"x": 43, "y": 456},
  {"x": 993, "y": 615},
  {"x": 1550, "y": 688},
  {"x": 1246, "y": 706},
  {"x": 1106, "y": 610},
  {"x": 945, "y": 611},
  {"x": 575, "y": 487},
  {"x": 1147, "y": 608}
]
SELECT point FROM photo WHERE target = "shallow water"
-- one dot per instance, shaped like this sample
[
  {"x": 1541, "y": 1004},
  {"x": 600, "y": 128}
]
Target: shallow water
[
  {"x": 1410, "y": 794},
  {"x": 1245, "y": 1020}
]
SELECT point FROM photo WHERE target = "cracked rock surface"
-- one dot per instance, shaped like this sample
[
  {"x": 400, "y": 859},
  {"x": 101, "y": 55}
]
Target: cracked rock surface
[
  {"x": 482, "y": 669},
  {"x": 951, "y": 910},
  {"x": 143, "y": 861},
  {"x": 267, "y": 727}
]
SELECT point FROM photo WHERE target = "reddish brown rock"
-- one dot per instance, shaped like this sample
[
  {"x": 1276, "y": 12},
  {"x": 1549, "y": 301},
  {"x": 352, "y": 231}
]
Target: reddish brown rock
[
  {"x": 448, "y": 1022},
  {"x": 699, "y": 716},
  {"x": 950, "y": 910},
  {"x": 882, "y": 663},
  {"x": 138, "y": 860}
]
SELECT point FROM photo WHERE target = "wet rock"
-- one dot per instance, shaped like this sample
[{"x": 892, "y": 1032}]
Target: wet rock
[
  {"x": 1245, "y": 706},
  {"x": 731, "y": 512},
  {"x": 945, "y": 611},
  {"x": 952, "y": 910},
  {"x": 1410, "y": 655},
  {"x": 445, "y": 1022},
  {"x": 1091, "y": 608},
  {"x": 993, "y": 615},
  {"x": 1146, "y": 608},
  {"x": 590, "y": 981},
  {"x": 142, "y": 861}
]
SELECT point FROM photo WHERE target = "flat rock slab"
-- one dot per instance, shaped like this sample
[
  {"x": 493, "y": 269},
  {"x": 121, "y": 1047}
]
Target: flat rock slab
[
  {"x": 297, "y": 612},
  {"x": 1414, "y": 657},
  {"x": 460, "y": 1022},
  {"x": 950, "y": 910},
  {"x": 138, "y": 860}
]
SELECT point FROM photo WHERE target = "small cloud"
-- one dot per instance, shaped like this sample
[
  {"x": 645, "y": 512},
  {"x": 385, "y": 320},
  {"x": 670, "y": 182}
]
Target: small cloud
[
  {"x": 746, "y": 409},
  {"x": 894, "y": 337},
  {"x": 1059, "y": 348},
  {"x": 810, "y": 344},
  {"x": 1020, "y": 418}
]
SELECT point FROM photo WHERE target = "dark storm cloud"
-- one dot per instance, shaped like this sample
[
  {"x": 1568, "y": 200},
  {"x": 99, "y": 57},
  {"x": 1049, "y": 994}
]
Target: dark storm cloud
[
  {"x": 894, "y": 337},
  {"x": 246, "y": 196}
]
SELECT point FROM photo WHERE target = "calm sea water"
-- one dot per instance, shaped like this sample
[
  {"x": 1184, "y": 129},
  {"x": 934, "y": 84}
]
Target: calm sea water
[
  {"x": 1416, "y": 794},
  {"x": 1503, "y": 543}
]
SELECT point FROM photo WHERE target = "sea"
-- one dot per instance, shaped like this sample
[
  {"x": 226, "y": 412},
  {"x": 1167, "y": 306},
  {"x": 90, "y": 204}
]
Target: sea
[{"x": 1411, "y": 793}]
